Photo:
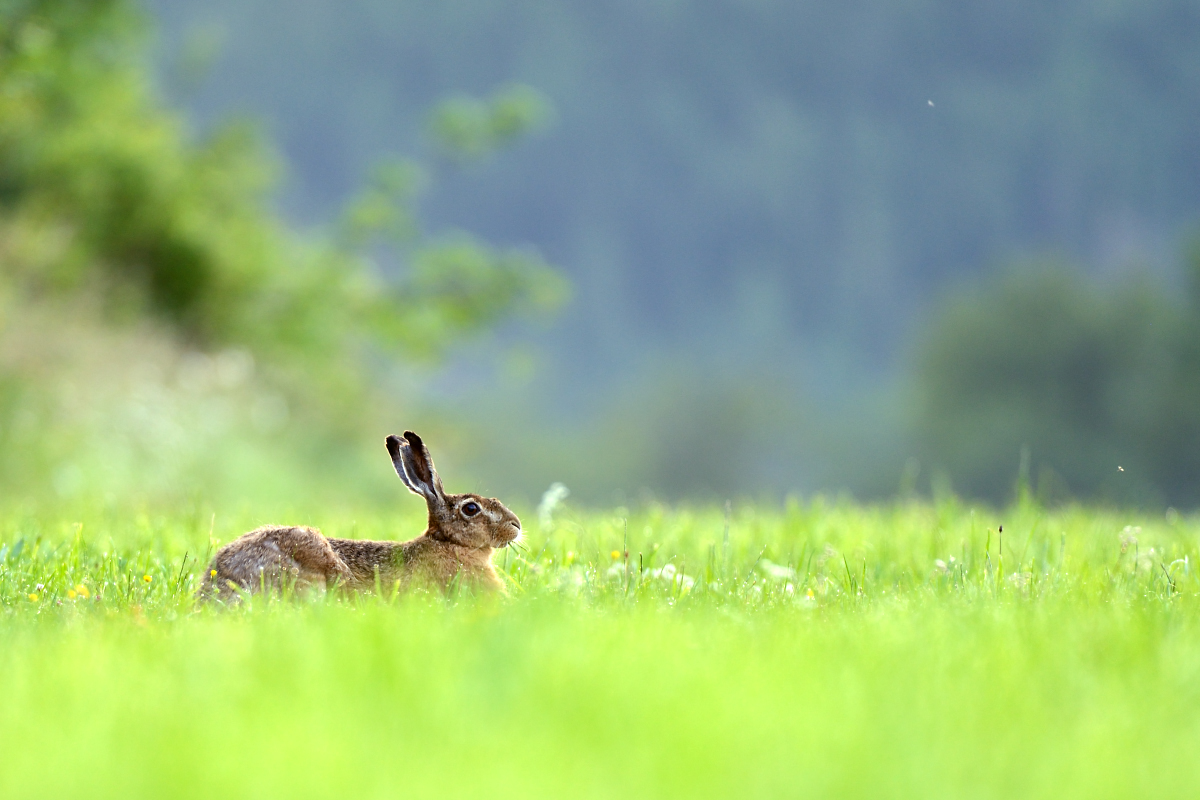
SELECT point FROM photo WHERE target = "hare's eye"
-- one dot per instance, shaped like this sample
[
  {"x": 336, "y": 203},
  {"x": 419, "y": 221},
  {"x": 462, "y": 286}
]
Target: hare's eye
[{"x": 470, "y": 508}]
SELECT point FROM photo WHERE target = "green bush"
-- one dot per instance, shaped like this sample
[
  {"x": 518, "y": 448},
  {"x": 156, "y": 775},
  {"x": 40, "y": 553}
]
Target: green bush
[{"x": 1099, "y": 386}]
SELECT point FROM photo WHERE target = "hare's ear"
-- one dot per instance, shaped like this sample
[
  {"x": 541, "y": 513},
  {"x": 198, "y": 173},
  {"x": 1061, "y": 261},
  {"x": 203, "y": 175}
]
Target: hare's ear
[
  {"x": 411, "y": 459},
  {"x": 396, "y": 446}
]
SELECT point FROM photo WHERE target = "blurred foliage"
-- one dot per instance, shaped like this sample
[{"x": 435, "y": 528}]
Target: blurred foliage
[
  {"x": 130, "y": 250},
  {"x": 1073, "y": 386},
  {"x": 466, "y": 129},
  {"x": 91, "y": 161}
]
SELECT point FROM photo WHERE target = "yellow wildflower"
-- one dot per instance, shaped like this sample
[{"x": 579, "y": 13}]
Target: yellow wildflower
[
  {"x": 147, "y": 578},
  {"x": 616, "y": 554},
  {"x": 33, "y": 597},
  {"x": 212, "y": 573},
  {"x": 70, "y": 594},
  {"x": 82, "y": 591}
]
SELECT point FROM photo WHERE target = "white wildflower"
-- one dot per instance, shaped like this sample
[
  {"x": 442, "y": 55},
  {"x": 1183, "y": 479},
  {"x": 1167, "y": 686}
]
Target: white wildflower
[
  {"x": 552, "y": 498},
  {"x": 776, "y": 572}
]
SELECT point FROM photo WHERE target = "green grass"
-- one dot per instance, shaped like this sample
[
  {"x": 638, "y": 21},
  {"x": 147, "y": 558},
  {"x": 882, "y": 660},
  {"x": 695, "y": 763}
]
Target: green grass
[{"x": 817, "y": 650}]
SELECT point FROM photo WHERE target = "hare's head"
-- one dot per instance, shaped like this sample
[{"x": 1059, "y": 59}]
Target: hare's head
[{"x": 463, "y": 519}]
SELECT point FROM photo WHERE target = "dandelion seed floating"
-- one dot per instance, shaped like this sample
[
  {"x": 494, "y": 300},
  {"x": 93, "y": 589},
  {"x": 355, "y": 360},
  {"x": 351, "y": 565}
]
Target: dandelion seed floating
[
  {"x": 1120, "y": 468},
  {"x": 930, "y": 103}
]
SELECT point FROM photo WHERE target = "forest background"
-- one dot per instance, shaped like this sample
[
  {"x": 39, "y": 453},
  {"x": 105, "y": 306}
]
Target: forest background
[{"x": 655, "y": 248}]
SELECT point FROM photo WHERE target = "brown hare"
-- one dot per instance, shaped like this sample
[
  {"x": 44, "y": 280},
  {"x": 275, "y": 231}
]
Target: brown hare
[{"x": 457, "y": 545}]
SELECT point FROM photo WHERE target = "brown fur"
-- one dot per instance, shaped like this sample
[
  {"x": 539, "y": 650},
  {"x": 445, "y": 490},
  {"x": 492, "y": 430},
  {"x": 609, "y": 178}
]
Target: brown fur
[{"x": 457, "y": 545}]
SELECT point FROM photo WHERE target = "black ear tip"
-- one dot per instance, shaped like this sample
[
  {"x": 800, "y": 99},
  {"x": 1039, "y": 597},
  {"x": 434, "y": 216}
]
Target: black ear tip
[
  {"x": 413, "y": 439},
  {"x": 393, "y": 445}
]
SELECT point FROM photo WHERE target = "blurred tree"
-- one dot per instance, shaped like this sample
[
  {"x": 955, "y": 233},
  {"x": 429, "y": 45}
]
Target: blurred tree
[
  {"x": 184, "y": 230},
  {"x": 1096, "y": 384},
  {"x": 111, "y": 212}
]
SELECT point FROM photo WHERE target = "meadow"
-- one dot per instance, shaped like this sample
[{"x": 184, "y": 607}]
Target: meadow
[{"x": 809, "y": 649}]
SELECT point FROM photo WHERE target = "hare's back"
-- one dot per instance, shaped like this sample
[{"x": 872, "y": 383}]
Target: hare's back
[{"x": 367, "y": 559}]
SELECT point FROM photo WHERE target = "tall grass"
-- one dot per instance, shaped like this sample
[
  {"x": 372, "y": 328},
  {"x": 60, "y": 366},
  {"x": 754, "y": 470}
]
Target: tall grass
[{"x": 817, "y": 650}]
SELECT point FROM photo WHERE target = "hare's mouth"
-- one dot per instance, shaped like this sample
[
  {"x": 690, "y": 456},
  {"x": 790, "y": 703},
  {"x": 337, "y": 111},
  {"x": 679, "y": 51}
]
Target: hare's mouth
[{"x": 511, "y": 535}]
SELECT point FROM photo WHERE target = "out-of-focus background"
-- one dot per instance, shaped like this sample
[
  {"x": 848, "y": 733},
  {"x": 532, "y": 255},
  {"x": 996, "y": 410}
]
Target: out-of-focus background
[{"x": 655, "y": 248}]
